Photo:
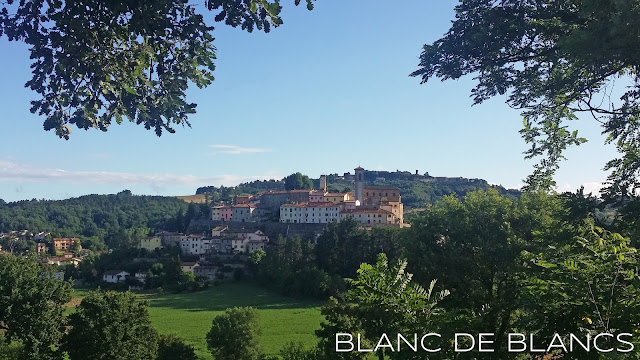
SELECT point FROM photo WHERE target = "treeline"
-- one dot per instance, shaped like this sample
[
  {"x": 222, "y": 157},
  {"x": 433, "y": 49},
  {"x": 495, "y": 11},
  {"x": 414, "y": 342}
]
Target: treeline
[
  {"x": 99, "y": 219},
  {"x": 223, "y": 193},
  {"x": 298, "y": 267}
]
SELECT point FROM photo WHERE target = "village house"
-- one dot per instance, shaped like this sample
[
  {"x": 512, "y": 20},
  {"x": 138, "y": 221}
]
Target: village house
[
  {"x": 115, "y": 276},
  {"x": 370, "y": 216},
  {"x": 226, "y": 213},
  {"x": 169, "y": 238},
  {"x": 337, "y": 198},
  {"x": 242, "y": 241},
  {"x": 65, "y": 243},
  {"x": 316, "y": 196},
  {"x": 215, "y": 212},
  {"x": 195, "y": 245},
  {"x": 188, "y": 266},
  {"x": 208, "y": 272},
  {"x": 243, "y": 199},
  {"x": 150, "y": 244},
  {"x": 243, "y": 212},
  {"x": 41, "y": 248}
]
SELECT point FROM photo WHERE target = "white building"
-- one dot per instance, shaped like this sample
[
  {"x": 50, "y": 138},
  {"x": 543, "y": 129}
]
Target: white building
[
  {"x": 243, "y": 241},
  {"x": 310, "y": 213},
  {"x": 215, "y": 212},
  {"x": 115, "y": 276},
  {"x": 187, "y": 266},
  {"x": 195, "y": 245}
]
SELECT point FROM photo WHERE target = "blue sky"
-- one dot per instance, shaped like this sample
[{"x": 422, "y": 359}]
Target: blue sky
[{"x": 327, "y": 91}]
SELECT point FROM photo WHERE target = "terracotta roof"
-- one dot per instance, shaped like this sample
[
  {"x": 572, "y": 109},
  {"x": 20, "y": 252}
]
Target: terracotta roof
[
  {"x": 321, "y": 204},
  {"x": 302, "y": 204},
  {"x": 367, "y": 211},
  {"x": 300, "y": 191},
  {"x": 335, "y": 194},
  {"x": 359, "y": 168},
  {"x": 189, "y": 263},
  {"x": 244, "y": 206},
  {"x": 310, "y": 204}
]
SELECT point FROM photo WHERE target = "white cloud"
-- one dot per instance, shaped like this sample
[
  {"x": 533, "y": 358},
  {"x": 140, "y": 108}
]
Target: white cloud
[
  {"x": 19, "y": 172},
  {"x": 592, "y": 187},
  {"x": 235, "y": 150}
]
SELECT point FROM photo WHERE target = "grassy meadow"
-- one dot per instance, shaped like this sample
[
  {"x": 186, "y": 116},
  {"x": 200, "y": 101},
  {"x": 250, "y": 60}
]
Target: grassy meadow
[{"x": 189, "y": 315}]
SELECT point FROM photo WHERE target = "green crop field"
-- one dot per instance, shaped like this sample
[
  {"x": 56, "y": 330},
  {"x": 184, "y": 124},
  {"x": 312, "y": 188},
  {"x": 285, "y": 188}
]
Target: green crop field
[{"x": 189, "y": 315}]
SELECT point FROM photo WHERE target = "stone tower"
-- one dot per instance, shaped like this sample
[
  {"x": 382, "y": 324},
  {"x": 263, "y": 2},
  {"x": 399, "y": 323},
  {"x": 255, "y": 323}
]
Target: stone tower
[
  {"x": 359, "y": 184},
  {"x": 323, "y": 183}
]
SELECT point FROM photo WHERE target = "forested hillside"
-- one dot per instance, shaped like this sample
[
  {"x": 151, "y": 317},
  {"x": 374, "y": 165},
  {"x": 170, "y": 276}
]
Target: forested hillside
[{"x": 96, "y": 218}]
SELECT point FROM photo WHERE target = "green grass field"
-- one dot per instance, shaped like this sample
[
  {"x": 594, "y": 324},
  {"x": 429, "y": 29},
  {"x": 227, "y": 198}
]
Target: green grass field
[{"x": 189, "y": 315}]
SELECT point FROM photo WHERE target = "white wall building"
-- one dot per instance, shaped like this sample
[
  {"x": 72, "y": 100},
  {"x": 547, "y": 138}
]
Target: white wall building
[
  {"x": 243, "y": 241},
  {"x": 115, "y": 276},
  {"x": 195, "y": 245},
  {"x": 310, "y": 213}
]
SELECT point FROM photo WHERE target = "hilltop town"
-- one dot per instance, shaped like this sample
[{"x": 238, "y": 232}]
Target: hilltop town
[{"x": 369, "y": 205}]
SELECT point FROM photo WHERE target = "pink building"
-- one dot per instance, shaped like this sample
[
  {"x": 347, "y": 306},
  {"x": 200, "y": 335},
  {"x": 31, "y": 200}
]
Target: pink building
[
  {"x": 226, "y": 213},
  {"x": 316, "y": 196}
]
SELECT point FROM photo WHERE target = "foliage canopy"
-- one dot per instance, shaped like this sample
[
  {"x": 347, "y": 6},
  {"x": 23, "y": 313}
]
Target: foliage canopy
[
  {"x": 97, "y": 61},
  {"x": 554, "y": 59}
]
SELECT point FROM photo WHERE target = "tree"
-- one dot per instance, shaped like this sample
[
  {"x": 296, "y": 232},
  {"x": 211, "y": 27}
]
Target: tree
[
  {"x": 98, "y": 61},
  {"x": 32, "y": 306},
  {"x": 554, "y": 59},
  {"x": 172, "y": 347},
  {"x": 234, "y": 335},
  {"x": 343, "y": 246},
  {"x": 382, "y": 300},
  {"x": 297, "y": 181},
  {"x": 297, "y": 351},
  {"x": 474, "y": 248},
  {"x": 587, "y": 286},
  {"x": 111, "y": 325}
]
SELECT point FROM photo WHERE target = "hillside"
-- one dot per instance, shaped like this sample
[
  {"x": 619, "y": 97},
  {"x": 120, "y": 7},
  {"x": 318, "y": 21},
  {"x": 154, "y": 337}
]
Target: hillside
[
  {"x": 417, "y": 190},
  {"x": 94, "y": 218}
]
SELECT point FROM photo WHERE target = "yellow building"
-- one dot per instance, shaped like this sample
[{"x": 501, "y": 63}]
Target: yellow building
[
  {"x": 370, "y": 216},
  {"x": 151, "y": 243},
  {"x": 336, "y": 198}
]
